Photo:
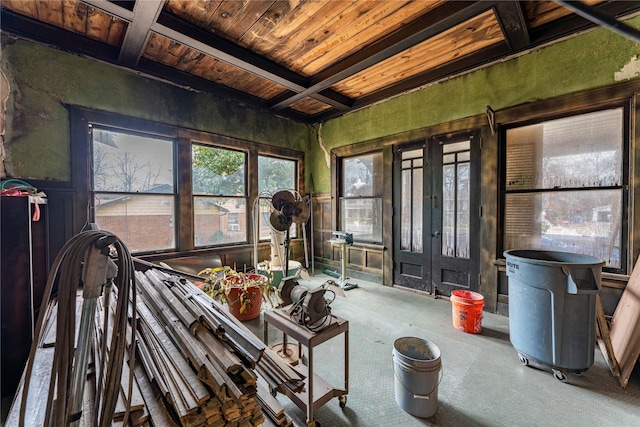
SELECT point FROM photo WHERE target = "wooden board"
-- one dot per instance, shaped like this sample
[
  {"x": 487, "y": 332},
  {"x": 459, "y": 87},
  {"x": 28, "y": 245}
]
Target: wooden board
[
  {"x": 625, "y": 327},
  {"x": 604, "y": 338}
]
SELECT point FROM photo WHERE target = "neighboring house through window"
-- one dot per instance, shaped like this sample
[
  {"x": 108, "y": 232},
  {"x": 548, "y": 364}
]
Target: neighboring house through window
[
  {"x": 134, "y": 188},
  {"x": 163, "y": 188}
]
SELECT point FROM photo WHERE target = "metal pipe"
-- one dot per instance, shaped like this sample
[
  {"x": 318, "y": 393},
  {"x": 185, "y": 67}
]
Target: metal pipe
[
  {"x": 343, "y": 264},
  {"x": 81, "y": 361},
  {"x": 313, "y": 265},
  {"x": 304, "y": 243}
]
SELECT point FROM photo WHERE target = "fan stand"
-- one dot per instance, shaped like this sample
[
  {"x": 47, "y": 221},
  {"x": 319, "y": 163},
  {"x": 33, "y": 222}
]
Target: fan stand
[
  {"x": 344, "y": 280},
  {"x": 288, "y": 352}
]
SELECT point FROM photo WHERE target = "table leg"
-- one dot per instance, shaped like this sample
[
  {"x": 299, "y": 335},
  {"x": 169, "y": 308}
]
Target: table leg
[
  {"x": 310, "y": 402},
  {"x": 265, "y": 333},
  {"x": 346, "y": 360}
]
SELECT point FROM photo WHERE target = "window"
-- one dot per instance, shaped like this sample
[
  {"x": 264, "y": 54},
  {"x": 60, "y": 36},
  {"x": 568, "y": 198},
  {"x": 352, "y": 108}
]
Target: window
[
  {"x": 274, "y": 174},
  {"x": 140, "y": 186},
  {"x": 219, "y": 195},
  {"x": 565, "y": 185},
  {"x": 411, "y": 209},
  {"x": 133, "y": 188},
  {"x": 361, "y": 197},
  {"x": 456, "y": 158}
]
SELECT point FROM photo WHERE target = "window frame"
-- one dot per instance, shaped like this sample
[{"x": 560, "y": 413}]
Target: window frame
[
  {"x": 133, "y": 193},
  {"x": 341, "y": 197},
  {"x": 82, "y": 175},
  {"x": 244, "y": 196},
  {"x": 295, "y": 228},
  {"x": 625, "y": 186}
]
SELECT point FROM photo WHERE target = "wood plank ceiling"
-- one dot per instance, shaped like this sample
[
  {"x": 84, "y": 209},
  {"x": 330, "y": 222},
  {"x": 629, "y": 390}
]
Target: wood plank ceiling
[{"x": 309, "y": 60}]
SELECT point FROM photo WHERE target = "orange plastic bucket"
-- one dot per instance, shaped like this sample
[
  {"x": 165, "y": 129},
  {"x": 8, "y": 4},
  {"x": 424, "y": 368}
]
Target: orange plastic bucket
[{"x": 466, "y": 307}]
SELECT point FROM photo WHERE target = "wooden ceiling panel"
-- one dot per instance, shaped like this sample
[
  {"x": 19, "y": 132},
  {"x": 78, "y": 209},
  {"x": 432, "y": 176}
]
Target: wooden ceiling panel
[
  {"x": 230, "y": 19},
  {"x": 310, "y": 106},
  {"x": 50, "y": 11},
  {"x": 98, "y": 24},
  {"x": 73, "y": 16},
  {"x": 278, "y": 25},
  {"x": 353, "y": 30},
  {"x": 117, "y": 30},
  {"x": 198, "y": 12},
  {"x": 234, "y": 18},
  {"x": 466, "y": 38},
  {"x": 23, "y": 7},
  {"x": 289, "y": 32},
  {"x": 170, "y": 53},
  {"x": 543, "y": 12}
]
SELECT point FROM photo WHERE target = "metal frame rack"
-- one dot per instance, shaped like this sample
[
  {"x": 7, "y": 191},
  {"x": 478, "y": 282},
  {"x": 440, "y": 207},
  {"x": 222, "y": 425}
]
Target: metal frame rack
[{"x": 317, "y": 391}]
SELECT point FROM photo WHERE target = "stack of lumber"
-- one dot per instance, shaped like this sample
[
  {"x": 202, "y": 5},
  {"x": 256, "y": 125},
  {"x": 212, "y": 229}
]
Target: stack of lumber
[
  {"x": 203, "y": 381},
  {"x": 194, "y": 365},
  {"x": 203, "y": 361}
]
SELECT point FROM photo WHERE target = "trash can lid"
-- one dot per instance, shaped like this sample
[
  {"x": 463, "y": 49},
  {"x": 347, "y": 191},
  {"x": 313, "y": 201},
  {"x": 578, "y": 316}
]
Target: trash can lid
[{"x": 538, "y": 257}]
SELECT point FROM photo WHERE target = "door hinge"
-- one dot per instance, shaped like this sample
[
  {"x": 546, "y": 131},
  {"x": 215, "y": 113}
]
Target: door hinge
[
  {"x": 479, "y": 278},
  {"x": 480, "y": 211}
]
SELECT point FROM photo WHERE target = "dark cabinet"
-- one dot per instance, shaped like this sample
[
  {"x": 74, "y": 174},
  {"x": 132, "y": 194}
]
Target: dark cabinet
[{"x": 24, "y": 268}]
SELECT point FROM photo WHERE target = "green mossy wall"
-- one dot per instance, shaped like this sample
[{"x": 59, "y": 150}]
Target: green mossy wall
[
  {"x": 44, "y": 80},
  {"x": 584, "y": 62}
]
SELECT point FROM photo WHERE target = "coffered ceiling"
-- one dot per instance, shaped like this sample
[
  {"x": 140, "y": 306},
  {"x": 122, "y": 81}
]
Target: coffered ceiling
[{"x": 309, "y": 60}]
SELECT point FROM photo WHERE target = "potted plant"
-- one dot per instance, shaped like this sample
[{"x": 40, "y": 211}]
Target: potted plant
[{"x": 242, "y": 292}]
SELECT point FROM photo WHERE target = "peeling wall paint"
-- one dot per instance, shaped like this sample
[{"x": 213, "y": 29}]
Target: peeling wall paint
[
  {"x": 327, "y": 156},
  {"x": 4, "y": 96},
  {"x": 630, "y": 70},
  {"x": 46, "y": 80},
  {"x": 43, "y": 81}
]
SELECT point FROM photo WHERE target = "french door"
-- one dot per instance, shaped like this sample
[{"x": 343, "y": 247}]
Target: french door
[{"x": 436, "y": 214}]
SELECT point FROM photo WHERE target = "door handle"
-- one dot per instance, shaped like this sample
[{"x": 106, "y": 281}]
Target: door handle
[{"x": 436, "y": 234}]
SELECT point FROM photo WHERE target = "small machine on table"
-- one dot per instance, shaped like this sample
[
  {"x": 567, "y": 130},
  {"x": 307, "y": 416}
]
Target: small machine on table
[
  {"x": 342, "y": 239},
  {"x": 317, "y": 391}
]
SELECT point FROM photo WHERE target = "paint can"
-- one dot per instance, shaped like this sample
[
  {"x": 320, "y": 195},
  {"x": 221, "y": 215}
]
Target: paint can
[{"x": 416, "y": 365}]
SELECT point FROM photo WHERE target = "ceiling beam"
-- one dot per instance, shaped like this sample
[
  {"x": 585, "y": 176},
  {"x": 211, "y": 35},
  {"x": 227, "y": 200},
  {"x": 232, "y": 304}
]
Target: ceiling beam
[
  {"x": 224, "y": 50},
  {"x": 441, "y": 19},
  {"x": 184, "y": 79},
  {"x": 455, "y": 68},
  {"x": 29, "y": 28},
  {"x": 574, "y": 23},
  {"x": 570, "y": 25},
  {"x": 203, "y": 41},
  {"x": 145, "y": 14},
  {"x": 513, "y": 24},
  {"x": 597, "y": 17}
]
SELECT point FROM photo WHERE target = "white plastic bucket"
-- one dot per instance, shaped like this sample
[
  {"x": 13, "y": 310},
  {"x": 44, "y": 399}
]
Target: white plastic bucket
[{"x": 416, "y": 364}]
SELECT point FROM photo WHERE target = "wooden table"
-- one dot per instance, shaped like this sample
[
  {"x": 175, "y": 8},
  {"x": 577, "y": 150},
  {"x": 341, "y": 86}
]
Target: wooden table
[{"x": 317, "y": 391}]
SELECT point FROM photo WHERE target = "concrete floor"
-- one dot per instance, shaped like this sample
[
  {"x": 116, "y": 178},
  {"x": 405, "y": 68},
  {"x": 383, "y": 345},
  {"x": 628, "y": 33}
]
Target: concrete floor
[{"x": 483, "y": 382}]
